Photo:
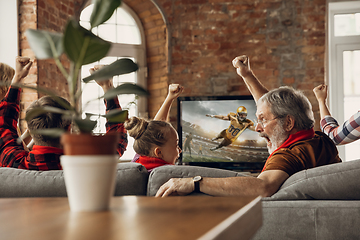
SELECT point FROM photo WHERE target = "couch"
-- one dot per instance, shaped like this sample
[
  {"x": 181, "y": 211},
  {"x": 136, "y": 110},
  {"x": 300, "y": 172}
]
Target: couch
[{"x": 318, "y": 203}]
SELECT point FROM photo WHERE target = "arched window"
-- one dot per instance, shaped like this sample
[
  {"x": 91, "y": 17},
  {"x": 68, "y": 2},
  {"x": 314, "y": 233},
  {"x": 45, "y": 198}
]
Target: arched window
[{"x": 125, "y": 31}]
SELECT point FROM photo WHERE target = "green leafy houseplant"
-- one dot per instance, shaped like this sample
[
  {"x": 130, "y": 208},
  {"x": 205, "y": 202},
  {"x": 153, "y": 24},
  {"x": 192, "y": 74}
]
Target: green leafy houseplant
[{"x": 82, "y": 47}]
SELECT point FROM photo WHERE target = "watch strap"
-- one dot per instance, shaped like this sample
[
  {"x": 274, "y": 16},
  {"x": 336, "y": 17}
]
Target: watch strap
[{"x": 197, "y": 180}]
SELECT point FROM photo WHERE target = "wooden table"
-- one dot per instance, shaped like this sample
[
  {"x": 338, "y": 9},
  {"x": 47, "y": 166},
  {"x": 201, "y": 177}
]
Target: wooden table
[{"x": 132, "y": 218}]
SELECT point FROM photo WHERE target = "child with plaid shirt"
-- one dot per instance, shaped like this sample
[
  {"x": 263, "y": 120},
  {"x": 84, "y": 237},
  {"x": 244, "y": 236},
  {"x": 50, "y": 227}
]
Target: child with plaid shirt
[{"x": 45, "y": 154}]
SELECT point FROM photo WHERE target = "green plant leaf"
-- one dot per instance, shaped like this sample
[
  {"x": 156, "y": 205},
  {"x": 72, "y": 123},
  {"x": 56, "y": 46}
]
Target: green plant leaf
[
  {"x": 125, "y": 88},
  {"x": 116, "y": 116},
  {"x": 35, "y": 112},
  {"x": 47, "y": 92},
  {"x": 119, "y": 67},
  {"x": 103, "y": 10},
  {"x": 85, "y": 125},
  {"x": 50, "y": 132},
  {"x": 45, "y": 44},
  {"x": 82, "y": 46}
]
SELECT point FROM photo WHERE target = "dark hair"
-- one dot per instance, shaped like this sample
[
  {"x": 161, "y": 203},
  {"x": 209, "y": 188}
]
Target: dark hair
[
  {"x": 285, "y": 101},
  {"x": 47, "y": 120},
  {"x": 147, "y": 134}
]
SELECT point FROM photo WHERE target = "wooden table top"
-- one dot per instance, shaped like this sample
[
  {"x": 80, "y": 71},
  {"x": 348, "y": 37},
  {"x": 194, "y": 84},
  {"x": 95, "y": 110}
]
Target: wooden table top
[{"x": 130, "y": 217}]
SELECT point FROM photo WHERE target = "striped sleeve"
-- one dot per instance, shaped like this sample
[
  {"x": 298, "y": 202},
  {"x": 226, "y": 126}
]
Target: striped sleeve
[{"x": 348, "y": 132}]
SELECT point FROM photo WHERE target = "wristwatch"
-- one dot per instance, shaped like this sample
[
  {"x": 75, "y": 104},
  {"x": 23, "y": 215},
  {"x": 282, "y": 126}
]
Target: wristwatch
[{"x": 197, "y": 180}]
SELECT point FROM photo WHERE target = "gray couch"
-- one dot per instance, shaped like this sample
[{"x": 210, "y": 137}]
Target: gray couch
[{"x": 319, "y": 203}]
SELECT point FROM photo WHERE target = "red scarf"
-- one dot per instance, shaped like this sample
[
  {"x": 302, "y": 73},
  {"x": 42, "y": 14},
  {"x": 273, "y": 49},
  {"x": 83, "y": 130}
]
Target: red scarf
[
  {"x": 300, "y": 135},
  {"x": 43, "y": 150},
  {"x": 151, "y": 162}
]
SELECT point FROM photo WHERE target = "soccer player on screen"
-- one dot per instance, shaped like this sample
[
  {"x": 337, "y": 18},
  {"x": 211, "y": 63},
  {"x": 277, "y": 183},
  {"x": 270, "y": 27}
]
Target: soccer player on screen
[{"x": 238, "y": 124}]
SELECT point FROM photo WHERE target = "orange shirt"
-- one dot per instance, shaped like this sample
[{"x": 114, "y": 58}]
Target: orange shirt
[{"x": 304, "y": 154}]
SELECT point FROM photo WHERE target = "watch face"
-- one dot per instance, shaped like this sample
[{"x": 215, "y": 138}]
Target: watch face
[{"x": 197, "y": 178}]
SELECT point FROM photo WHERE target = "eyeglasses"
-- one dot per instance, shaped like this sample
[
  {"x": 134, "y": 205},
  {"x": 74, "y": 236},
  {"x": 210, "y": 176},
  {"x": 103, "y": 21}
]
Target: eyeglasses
[{"x": 262, "y": 122}]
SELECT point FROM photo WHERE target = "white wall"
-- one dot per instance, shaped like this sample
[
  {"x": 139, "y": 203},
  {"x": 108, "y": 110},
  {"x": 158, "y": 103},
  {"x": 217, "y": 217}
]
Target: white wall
[{"x": 8, "y": 31}]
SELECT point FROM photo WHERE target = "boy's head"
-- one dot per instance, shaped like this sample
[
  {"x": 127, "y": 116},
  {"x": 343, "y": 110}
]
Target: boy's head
[
  {"x": 47, "y": 120},
  {"x": 6, "y": 75}
]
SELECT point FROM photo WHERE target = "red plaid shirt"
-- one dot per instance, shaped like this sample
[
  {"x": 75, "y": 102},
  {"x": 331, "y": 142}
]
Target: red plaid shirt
[{"x": 13, "y": 154}]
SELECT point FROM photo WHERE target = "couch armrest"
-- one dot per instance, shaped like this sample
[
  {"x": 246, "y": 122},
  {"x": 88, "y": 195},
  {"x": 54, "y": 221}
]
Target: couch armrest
[
  {"x": 330, "y": 182},
  {"x": 162, "y": 174}
]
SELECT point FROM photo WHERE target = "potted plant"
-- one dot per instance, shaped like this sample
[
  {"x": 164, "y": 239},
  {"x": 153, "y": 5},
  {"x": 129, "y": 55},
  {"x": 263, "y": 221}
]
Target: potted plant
[{"x": 83, "y": 47}]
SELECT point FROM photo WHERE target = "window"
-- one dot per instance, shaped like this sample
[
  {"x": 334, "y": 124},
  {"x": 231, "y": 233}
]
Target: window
[
  {"x": 9, "y": 25},
  {"x": 343, "y": 70},
  {"x": 125, "y": 31}
]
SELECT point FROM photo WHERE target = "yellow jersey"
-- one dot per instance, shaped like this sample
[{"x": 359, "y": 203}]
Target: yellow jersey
[{"x": 236, "y": 127}]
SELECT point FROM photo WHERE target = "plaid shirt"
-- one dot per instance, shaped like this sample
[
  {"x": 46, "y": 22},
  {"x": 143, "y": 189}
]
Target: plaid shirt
[
  {"x": 347, "y": 133},
  {"x": 13, "y": 154}
]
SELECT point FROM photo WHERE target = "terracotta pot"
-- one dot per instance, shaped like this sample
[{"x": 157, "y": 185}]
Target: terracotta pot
[{"x": 87, "y": 144}]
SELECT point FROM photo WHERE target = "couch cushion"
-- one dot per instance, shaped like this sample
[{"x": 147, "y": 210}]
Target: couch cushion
[
  {"x": 29, "y": 183},
  {"x": 331, "y": 182},
  {"x": 162, "y": 174},
  {"x": 131, "y": 179}
]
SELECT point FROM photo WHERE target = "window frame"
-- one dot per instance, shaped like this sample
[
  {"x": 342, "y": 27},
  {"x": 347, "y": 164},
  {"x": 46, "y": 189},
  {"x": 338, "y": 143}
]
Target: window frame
[
  {"x": 336, "y": 46},
  {"x": 137, "y": 52},
  {"x": 9, "y": 45}
]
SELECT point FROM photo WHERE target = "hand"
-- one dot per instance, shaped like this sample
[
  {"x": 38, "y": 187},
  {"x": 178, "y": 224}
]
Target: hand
[
  {"x": 320, "y": 92},
  {"x": 23, "y": 65},
  {"x": 176, "y": 186},
  {"x": 209, "y": 115},
  {"x": 242, "y": 65},
  {"x": 104, "y": 84},
  {"x": 175, "y": 90}
]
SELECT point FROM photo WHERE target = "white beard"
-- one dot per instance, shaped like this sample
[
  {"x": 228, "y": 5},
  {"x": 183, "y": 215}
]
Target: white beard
[{"x": 279, "y": 137}]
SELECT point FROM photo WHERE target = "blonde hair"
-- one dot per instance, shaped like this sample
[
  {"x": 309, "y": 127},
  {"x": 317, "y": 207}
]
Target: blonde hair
[
  {"x": 147, "y": 134},
  {"x": 6, "y": 75}
]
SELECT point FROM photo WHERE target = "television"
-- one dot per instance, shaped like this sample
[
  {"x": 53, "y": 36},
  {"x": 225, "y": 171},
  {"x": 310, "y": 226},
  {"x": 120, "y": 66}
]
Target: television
[{"x": 201, "y": 133}]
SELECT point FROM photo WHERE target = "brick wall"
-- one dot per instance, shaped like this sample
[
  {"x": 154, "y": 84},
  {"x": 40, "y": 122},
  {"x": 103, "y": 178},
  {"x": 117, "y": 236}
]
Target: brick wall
[
  {"x": 48, "y": 15},
  {"x": 192, "y": 42},
  {"x": 156, "y": 51},
  {"x": 285, "y": 40}
]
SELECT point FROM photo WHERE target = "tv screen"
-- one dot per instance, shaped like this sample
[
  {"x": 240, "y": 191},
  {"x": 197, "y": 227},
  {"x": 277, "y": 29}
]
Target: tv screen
[{"x": 220, "y": 132}]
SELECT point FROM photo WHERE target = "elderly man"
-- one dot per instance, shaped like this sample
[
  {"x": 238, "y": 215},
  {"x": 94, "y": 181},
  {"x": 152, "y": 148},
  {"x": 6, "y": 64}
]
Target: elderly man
[{"x": 285, "y": 119}]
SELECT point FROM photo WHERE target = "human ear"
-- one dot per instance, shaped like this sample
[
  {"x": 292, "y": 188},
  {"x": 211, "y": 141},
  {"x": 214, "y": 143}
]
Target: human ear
[
  {"x": 289, "y": 123},
  {"x": 157, "y": 152}
]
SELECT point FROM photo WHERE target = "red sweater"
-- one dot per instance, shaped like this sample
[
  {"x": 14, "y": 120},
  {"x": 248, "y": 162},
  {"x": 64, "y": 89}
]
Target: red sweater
[{"x": 151, "y": 162}]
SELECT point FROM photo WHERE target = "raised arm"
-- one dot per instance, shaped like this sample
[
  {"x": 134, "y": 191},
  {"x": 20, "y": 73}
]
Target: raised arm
[
  {"x": 110, "y": 105},
  {"x": 12, "y": 154},
  {"x": 23, "y": 65},
  {"x": 174, "y": 91},
  {"x": 348, "y": 132},
  {"x": 242, "y": 65},
  {"x": 219, "y": 116},
  {"x": 321, "y": 95}
]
